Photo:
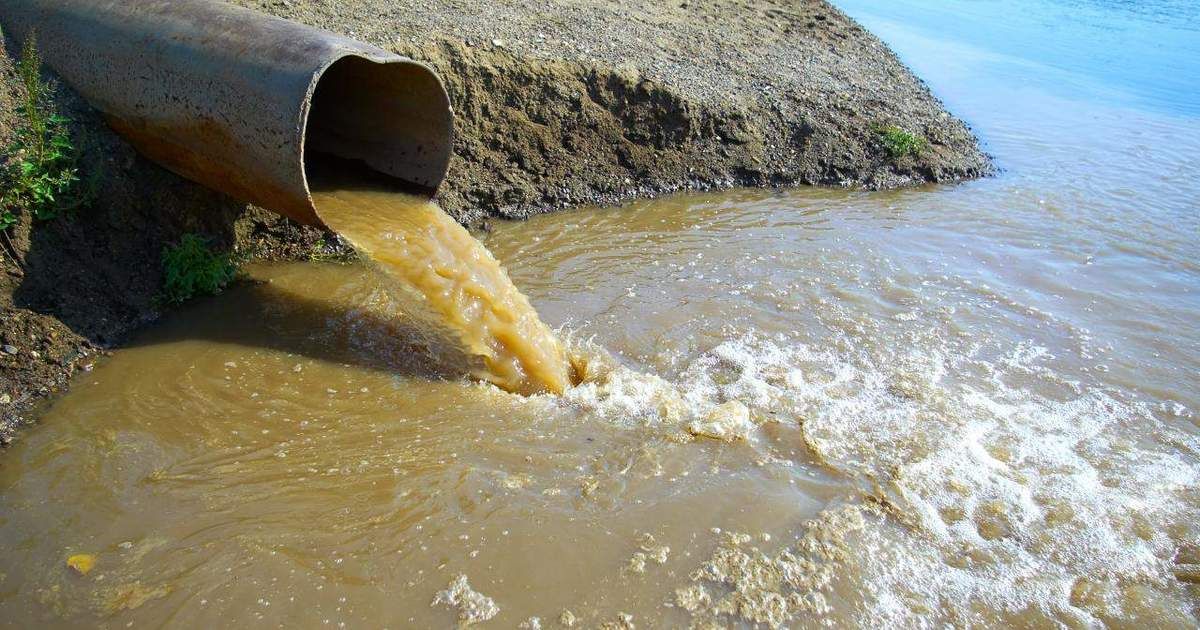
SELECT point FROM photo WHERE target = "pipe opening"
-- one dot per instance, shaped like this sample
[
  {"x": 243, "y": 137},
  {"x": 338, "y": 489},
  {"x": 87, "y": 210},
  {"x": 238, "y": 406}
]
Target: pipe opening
[{"x": 389, "y": 119}]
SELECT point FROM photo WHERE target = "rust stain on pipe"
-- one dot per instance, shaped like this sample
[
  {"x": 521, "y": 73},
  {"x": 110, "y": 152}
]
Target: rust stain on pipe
[{"x": 242, "y": 102}]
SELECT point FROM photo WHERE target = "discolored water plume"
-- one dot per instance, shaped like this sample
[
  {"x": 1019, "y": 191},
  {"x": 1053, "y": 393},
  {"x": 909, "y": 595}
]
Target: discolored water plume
[{"x": 476, "y": 317}]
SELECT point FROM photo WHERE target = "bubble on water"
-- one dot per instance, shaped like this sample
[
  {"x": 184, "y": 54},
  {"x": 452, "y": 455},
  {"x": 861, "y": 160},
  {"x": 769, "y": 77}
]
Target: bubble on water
[
  {"x": 1021, "y": 494},
  {"x": 728, "y": 422},
  {"x": 1000, "y": 482},
  {"x": 472, "y": 606},
  {"x": 693, "y": 598},
  {"x": 773, "y": 590},
  {"x": 648, "y": 551}
]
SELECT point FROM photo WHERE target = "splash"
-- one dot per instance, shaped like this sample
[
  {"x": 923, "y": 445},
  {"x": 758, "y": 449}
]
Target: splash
[{"x": 980, "y": 501}]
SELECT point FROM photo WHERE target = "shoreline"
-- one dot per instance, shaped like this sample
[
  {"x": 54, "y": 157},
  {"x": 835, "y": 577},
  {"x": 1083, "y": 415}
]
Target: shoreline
[{"x": 554, "y": 109}]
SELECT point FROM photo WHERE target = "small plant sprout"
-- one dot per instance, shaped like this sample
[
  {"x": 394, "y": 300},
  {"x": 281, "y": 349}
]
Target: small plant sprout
[
  {"x": 192, "y": 269},
  {"x": 898, "y": 142}
]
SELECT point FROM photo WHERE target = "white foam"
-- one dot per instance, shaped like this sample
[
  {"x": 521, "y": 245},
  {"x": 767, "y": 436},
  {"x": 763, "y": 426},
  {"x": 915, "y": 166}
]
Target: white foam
[{"x": 1006, "y": 496}]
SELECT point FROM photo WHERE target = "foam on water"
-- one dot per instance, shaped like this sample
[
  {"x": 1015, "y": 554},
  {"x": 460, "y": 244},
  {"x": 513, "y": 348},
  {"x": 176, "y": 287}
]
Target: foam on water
[{"x": 999, "y": 501}]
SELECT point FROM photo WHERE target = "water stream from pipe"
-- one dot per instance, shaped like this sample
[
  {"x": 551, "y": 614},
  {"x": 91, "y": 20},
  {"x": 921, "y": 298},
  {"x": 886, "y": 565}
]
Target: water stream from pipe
[{"x": 450, "y": 283}]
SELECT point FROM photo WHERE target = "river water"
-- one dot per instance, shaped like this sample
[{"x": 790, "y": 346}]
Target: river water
[{"x": 968, "y": 404}]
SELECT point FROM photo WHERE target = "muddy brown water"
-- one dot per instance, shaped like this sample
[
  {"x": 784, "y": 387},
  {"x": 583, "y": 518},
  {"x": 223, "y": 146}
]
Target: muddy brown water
[
  {"x": 449, "y": 284},
  {"x": 970, "y": 405}
]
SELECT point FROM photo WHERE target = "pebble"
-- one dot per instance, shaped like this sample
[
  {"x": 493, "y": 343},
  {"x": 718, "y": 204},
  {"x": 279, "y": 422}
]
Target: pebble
[
  {"x": 82, "y": 563},
  {"x": 10, "y": 349},
  {"x": 5, "y": 399}
]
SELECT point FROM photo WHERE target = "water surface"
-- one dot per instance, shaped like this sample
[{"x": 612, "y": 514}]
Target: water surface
[{"x": 958, "y": 405}]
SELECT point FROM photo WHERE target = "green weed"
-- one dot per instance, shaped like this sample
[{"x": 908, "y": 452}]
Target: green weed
[
  {"x": 191, "y": 269},
  {"x": 40, "y": 172},
  {"x": 898, "y": 142},
  {"x": 326, "y": 252}
]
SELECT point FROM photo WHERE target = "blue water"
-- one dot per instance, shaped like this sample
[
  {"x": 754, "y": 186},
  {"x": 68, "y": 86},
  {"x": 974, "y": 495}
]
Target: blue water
[{"x": 1140, "y": 53}]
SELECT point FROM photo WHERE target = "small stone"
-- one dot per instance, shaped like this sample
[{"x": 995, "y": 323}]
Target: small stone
[
  {"x": 297, "y": 367},
  {"x": 498, "y": 43},
  {"x": 5, "y": 399},
  {"x": 567, "y": 619},
  {"x": 82, "y": 563},
  {"x": 9, "y": 349}
]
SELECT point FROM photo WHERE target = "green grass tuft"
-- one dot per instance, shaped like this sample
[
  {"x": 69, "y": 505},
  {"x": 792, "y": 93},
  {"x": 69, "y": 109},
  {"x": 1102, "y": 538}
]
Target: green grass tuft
[
  {"x": 39, "y": 173},
  {"x": 191, "y": 269},
  {"x": 327, "y": 252},
  {"x": 899, "y": 143}
]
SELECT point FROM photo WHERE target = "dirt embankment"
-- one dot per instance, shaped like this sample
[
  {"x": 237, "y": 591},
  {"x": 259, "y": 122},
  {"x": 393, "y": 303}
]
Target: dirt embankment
[
  {"x": 561, "y": 102},
  {"x": 558, "y": 103}
]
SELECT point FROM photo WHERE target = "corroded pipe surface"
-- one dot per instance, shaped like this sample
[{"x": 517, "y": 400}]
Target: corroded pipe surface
[{"x": 240, "y": 101}]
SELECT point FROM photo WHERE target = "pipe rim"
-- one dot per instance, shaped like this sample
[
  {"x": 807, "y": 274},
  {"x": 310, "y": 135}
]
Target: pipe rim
[{"x": 305, "y": 114}]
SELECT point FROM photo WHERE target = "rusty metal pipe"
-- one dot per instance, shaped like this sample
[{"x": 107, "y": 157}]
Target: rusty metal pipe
[{"x": 240, "y": 101}]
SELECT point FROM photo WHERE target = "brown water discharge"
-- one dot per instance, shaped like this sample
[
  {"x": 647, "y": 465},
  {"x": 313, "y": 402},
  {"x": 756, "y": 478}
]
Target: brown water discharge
[{"x": 451, "y": 282}]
